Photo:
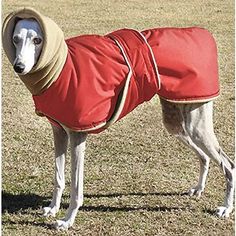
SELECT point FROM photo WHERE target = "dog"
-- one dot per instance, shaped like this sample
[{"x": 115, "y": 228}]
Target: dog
[{"x": 191, "y": 123}]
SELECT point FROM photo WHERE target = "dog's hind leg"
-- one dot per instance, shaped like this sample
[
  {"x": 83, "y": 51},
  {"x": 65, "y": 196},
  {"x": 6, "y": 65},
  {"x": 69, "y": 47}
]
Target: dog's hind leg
[
  {"x": 60, "y": 146},
  {"x": 192, "y": 123},
  {"x": 199, "y": 125},
  {"x": 204, "y": 167},
  {"x": 77, "y": 141},
  {"x": 173, "y": 120}
]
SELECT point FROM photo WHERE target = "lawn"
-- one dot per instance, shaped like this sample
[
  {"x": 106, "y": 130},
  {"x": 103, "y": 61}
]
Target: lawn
[{"x": 136, "y": 174}]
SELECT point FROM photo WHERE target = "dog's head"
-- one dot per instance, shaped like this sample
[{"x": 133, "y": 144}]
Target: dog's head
[
  {"x": 28, "y": 41},
  {"x": 35, "y": 46}
]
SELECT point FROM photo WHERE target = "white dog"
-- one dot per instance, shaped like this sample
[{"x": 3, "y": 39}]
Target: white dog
[{"x": 190, "y": 123}]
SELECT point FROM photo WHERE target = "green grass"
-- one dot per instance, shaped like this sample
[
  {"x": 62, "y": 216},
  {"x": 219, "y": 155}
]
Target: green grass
[{"x": 135, "y": 172}]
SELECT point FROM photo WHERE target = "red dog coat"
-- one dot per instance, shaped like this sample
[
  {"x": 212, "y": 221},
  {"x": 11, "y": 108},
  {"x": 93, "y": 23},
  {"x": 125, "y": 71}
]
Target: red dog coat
[{"x": 106, "y": 77}]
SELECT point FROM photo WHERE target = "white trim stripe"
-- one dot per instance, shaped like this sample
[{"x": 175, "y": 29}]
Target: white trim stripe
[{"x": 119, "y": 110}]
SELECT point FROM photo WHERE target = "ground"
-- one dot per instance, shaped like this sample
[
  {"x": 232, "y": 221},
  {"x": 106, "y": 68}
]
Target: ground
[{"x": 136, "y": 174}]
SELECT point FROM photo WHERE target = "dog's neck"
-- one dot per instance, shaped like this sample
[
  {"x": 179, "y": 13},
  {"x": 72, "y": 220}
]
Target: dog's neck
[{"x": 42, "y": 77}]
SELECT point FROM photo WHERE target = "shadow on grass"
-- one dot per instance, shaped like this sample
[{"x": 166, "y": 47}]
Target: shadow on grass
[
  {"x": 103, "y": 208},
  {"x": 14, "y": 203},
  {"x": 28, "y": 222},
  {"x": 19, "y": 203},
  {"x": 138, "y": 194}
]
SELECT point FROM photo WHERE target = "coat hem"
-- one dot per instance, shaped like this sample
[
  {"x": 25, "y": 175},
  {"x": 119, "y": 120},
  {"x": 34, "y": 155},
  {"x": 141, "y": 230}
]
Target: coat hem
[{"x": 192, "y": 100}]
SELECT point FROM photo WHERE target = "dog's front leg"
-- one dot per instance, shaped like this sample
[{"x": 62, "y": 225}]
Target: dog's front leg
[
  {"x": 77, "y": 141},
  {"x": 60, "y": 146}
]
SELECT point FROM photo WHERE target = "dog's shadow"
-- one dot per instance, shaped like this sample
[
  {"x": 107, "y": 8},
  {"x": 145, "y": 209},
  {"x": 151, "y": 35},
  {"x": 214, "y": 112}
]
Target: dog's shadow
[
  {"x": 13, "y": 203},
  {"x": 102, "y": 208},
  {"x": 21, "y": 202}
]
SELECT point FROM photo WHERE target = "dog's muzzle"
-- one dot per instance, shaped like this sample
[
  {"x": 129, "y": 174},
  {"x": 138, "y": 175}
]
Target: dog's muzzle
[{"x": 19, "y": 67}]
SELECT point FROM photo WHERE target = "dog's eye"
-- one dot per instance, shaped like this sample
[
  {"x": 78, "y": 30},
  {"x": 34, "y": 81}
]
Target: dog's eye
[
  {"x": 37, "y": 40},
  {"x": 16, "y": 39}
]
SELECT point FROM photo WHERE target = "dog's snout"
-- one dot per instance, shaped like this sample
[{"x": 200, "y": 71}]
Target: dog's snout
[{"x": 19, "y": 67}]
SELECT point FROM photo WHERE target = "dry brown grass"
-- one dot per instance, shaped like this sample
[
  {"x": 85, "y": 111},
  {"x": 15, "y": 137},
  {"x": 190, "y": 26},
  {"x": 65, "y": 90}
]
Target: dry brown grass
[{"x": 135, "y": 172}]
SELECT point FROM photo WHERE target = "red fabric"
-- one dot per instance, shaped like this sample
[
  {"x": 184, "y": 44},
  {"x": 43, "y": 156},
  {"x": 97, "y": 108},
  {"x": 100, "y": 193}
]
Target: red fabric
[
  {"x": 144, "y": 82},
  {"x": 82, "y": 96},
  {"x": 86, "y": 92},
  {"x": 187, "y": 63}
]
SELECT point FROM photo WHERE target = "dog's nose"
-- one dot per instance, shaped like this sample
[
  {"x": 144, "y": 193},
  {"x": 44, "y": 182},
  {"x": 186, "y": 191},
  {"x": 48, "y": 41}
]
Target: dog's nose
[{"x": 19, "y": 67}]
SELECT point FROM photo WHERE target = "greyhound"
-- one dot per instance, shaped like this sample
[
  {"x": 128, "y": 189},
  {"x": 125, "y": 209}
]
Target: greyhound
[{"x": 192, "y": 124}]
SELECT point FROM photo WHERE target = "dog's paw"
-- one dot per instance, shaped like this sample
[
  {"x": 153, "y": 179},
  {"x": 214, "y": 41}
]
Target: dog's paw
[
  {"x": 48, "y": 211},
  {"x": 62, "y": 225},
  {"x": 197, "y": 191},
  {"x": 223, "y": 212}
]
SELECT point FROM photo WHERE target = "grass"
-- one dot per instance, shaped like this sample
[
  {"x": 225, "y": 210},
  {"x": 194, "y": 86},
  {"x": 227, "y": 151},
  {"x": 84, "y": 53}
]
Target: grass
[{"x": 136, "y": 174}]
